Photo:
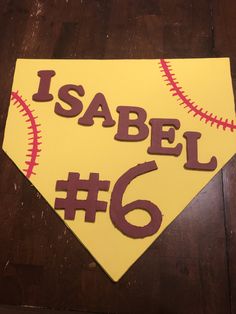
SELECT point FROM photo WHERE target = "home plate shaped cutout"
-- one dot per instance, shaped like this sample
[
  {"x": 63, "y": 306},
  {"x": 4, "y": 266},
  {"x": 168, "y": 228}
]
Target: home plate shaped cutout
[{"x": 118, "y": 148}]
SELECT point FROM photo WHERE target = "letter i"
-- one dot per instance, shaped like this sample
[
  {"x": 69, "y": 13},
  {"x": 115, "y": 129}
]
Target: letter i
[{"x": 44, "y": 86}]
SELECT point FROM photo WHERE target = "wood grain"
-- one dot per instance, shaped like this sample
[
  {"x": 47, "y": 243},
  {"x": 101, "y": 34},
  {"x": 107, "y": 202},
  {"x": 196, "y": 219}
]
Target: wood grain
[{"x": 191, "y": 268}]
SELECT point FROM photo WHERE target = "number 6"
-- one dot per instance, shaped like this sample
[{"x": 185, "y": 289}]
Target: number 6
[{"x": 118, "y": 212}]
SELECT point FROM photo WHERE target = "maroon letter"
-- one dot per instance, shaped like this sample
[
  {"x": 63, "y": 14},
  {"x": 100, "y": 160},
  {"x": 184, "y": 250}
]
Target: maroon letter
[
  {"x": 75, "y": 104},
  {"x": 118, "y": 211},
  {"x": 192, "y": 154},
  {"x": 158, "y": 135},
  {"x": 125, "y": 122},
  {"x": 92, "y": 111},
  {"x": 44, "y": 86}
]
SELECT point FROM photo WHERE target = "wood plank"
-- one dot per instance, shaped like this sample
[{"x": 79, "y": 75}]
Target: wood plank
[
  {"x": 230, "y": 225},
  {"x": 225, "y": 45},
  {"x": 34, "y": 310},
  {"x": 224, "y": 30}
]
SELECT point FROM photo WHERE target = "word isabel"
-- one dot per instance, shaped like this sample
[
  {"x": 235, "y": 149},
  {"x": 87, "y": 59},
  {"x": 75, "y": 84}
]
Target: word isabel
[{"x": 98, "y": 108}]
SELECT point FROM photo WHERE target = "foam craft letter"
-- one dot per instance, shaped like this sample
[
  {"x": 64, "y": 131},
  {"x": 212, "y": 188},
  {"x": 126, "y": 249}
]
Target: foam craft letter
[
  {"x": 192, "y": 154},
  {"x": 102, "y": 179},
  {"x": 73, "y": 185},
  {"x": 158, "y": 134},
  {"x": 44, "y": 86},
  {"x": 75, "y": 104},
  {"x": 125, "y": 123},
  {"x": 118, "y": 212},
  {"x": 92, "y": 111}
]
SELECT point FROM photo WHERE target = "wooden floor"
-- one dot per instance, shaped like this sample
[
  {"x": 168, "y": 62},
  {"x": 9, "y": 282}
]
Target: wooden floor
[{"x": 192, "y": 267}]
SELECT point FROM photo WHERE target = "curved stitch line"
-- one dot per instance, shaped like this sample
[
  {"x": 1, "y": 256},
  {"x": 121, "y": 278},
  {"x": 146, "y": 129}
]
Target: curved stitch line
[
  {"x": 183, "y": 99},
  {"x": 33, "y": 133}
]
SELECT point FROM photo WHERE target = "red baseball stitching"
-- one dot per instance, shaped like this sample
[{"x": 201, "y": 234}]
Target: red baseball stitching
[
  {"x": 33, "y": 134},
  {"x": 183, "y": 99}
]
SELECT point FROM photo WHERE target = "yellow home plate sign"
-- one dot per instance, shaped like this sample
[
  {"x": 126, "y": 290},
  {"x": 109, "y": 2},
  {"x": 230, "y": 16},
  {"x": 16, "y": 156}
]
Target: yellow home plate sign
[{"x": 118, "y": 148}]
